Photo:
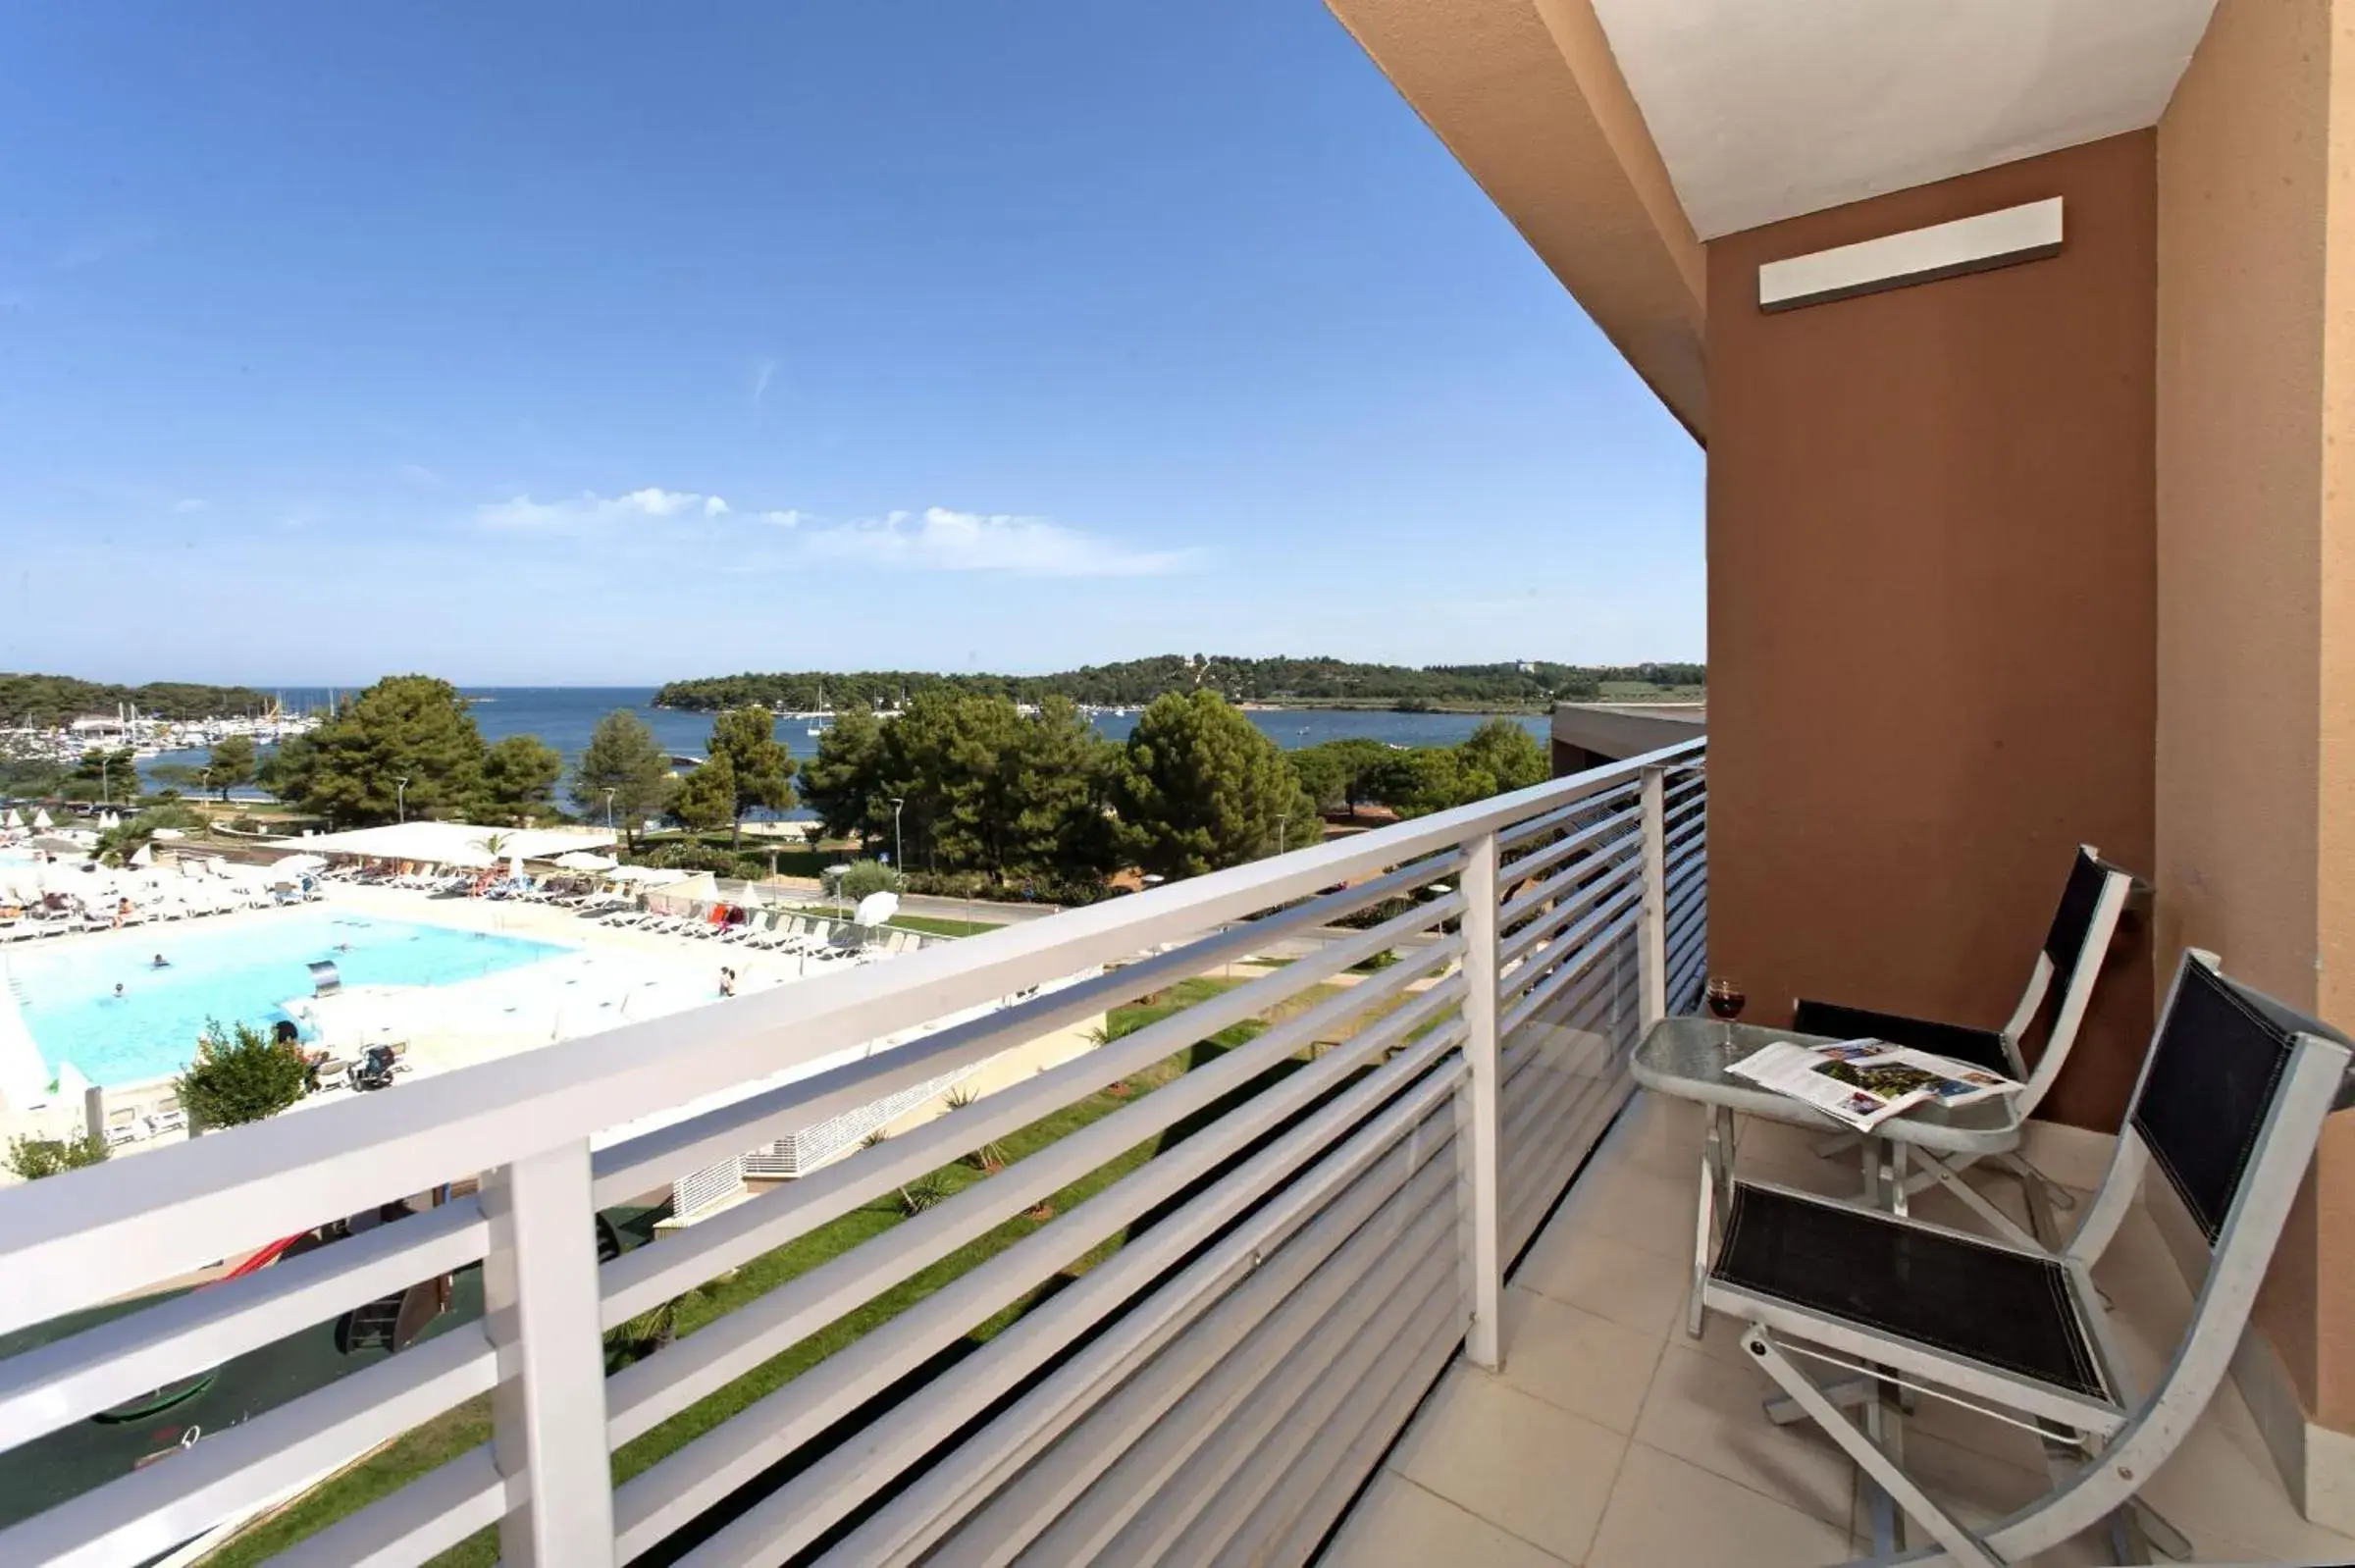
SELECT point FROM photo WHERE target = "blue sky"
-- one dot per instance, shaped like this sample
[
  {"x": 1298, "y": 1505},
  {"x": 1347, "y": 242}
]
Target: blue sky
[{"x": 609, "y": 344}]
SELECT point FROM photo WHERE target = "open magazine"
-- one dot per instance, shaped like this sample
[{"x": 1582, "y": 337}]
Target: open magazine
[{"x": 1866, "y": 1083}]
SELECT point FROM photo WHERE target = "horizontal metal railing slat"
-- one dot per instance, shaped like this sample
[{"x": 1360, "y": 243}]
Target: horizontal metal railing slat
[
  {"x": 646, "y": 1394},
  {"x": 658, "y": 1501},
  {"x": 993, "y": 1489},
  {"x": 797, "y": 1513},
  {"x": 642, "y": 1280}
]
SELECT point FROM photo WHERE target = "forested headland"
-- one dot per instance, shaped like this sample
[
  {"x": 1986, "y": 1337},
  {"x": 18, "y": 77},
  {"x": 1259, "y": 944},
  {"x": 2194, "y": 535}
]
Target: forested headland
[{"x": 1301, "y": 682}]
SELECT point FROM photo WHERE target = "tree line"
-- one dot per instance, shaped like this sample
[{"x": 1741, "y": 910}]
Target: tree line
[
  {"x": 1135, "y": 682},
  {"x": 960, "y": 784},
  {"x": 44, "y": 702}
]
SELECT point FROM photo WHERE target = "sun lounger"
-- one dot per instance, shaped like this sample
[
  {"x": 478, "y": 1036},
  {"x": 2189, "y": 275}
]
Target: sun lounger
[
  {"x": 122, "y": 1126},
  {"x": 166, "y": 1117}
]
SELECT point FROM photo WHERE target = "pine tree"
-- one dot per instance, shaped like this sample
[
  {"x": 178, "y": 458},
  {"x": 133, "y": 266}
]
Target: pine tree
[
  {"x": 1200, "y": 787},
  {"x": 622, "y": 755},
  {"x": 757, "y": 762}
]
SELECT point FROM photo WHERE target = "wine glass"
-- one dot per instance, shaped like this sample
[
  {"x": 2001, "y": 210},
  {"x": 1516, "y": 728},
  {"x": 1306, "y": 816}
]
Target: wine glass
[{"x": 1725, "y": 999}]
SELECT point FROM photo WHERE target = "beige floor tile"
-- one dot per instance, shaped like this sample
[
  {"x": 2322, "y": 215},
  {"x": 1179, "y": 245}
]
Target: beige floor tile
[
  {"x": 1649, "y": 1208},
  {"x": 1528, "y": 1467},
  {"x": 1583, "y": 1363},
  {"x": 1665, "y": 1511},
  {"x": 2214, "y": 1489},
  {"x": 1631, "y": 1286},
  {"x": 1399, "y": 1525},
  {"x": 1708, "y": 1412}
]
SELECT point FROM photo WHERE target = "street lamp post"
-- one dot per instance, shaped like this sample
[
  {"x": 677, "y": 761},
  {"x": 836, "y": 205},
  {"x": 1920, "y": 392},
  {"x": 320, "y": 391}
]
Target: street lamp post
[
  {"x": 1281, "y": 818},
  {"x": 400, "y": 799},
  {"x": 899, "y": 854},
  {"x": 608, "y": 809},
  {"x": 103, "y": 796}
]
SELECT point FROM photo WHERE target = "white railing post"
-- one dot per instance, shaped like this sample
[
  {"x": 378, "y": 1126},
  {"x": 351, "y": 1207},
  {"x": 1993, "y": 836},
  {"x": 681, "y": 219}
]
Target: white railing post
[
  {"x": 1651, "y": 934},
  {"x": 1483, "y": 1344},
  {"x": 540, "y": 1306}
]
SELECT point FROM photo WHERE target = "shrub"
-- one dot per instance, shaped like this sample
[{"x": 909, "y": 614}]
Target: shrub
[
  {"x": 241, "y": 1076},
  {"x": 923, "y": 1192},
  {"x": 864, "y": 877},
  {"x": 36, "y": 1158}
]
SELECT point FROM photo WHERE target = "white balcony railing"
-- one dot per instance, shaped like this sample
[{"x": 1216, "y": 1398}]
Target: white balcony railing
[{"x": 1296, "y": 1267}]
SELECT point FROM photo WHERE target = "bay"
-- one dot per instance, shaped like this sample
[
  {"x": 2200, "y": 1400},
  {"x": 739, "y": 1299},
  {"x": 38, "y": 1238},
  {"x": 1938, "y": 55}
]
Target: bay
[{"x": 562, "y": 716}]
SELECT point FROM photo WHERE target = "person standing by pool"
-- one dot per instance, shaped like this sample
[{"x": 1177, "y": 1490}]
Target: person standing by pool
[{"x": 727, "y": 982}]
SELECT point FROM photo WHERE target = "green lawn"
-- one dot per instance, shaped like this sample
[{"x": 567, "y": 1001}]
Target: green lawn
[
  {"x": 931, "y": 925},
  {"x": 453, "y": 1433}
]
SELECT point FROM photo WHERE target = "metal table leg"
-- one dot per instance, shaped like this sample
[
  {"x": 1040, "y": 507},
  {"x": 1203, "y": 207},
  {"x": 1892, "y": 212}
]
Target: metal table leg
[{"x": 1715, "y": 1179}]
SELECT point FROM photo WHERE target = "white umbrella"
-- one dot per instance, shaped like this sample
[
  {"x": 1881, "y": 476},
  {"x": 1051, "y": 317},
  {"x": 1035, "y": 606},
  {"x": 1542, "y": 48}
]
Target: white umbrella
[
  {"x": 582, "y": 861},
  {"x": 876, "y": 907},
  {"x": 40, "y": 820},
  {"x": 515, "y": 867},
  {"x": 14, "y": 819},
  {"x": 110, "y": 819},
  {"x": 294, "y": 864},
  {"x": 143, "y": 855}
]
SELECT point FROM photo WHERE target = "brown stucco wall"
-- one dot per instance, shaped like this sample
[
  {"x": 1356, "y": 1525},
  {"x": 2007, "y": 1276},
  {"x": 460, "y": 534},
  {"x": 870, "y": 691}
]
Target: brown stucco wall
[
  {"x": 1931, "y": 610},
  {"x": 2256, "y": 526}
]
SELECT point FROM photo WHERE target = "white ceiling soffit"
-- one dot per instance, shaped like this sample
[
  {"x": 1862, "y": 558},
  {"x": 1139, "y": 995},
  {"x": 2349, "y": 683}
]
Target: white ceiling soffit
[{"x": 1767, "y": 108}]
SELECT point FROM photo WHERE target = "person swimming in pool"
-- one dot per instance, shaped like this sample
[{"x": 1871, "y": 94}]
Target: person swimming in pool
[
  {"x": 159, "y": 962},
  {"x": 117, "y": 990}
]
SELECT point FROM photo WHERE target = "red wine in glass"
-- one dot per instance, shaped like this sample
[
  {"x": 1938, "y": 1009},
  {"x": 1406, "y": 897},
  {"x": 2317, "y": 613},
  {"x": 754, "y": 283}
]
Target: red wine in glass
[{"x": 1725, "y": 1000}]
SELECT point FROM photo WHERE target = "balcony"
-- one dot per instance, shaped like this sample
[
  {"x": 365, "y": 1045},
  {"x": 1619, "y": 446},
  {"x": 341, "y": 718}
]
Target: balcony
[
  {"x": 1243, "y": 1316},
  {"x": 1610, "y": 1439},
  {"x": 1199, "y": 1351}
]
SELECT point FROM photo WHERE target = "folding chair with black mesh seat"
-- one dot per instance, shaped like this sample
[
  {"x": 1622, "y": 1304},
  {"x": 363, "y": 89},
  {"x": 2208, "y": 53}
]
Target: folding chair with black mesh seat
[
  {"x": 2076, "y": 945},
  {"x": 2229, "y": 1106}
]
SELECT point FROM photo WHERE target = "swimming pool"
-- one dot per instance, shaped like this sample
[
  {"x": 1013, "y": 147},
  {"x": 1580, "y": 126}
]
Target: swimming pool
[{"x": 241, "y": 973}]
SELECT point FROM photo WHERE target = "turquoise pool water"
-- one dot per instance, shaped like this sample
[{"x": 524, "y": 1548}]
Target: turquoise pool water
[{"x": 65, "y": 990}]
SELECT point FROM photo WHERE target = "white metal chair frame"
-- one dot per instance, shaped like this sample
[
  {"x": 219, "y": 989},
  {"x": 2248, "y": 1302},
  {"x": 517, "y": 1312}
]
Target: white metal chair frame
[
  {"x": 2100, "y": 1450},
  {"x": 1886, "y": 1163}
]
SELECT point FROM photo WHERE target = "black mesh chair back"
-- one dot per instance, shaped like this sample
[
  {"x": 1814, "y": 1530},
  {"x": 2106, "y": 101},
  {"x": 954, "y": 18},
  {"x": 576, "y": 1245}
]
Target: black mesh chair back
[
  {"x": 2074, "y": 917},
  {"x": 2209, "y": 1086}
]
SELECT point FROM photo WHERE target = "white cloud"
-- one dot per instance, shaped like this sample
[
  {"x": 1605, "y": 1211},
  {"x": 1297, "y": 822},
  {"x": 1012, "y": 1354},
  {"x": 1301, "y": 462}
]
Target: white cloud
[
  {"x": 934, "y": 540},
  {"x": 762, "y": 372},
  {"x": 944, "y": 541},
  {"x": 588, "y": 509},
  {"x": 419, "y": 475},
  {"x": 190, "y": 504}
]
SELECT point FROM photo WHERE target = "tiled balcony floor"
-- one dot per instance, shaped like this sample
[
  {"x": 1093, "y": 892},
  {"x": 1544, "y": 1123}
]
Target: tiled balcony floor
[{"x": 1612, "y": 1439}]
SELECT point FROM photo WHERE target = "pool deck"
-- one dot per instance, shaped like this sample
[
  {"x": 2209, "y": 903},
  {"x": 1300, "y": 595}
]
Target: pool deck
[{"x": 434, "y": 1050}]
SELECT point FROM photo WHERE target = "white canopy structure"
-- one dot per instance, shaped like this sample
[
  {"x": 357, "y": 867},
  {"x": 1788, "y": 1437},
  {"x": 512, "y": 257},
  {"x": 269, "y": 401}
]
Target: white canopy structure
[
  {"x": 646, "y": 875},
  {"x": 451, "y": 842}
]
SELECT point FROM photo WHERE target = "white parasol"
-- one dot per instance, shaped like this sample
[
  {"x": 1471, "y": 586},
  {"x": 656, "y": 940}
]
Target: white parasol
[
  {"x": 876, "y": 907},
  {"x": 582, "y": 861},
  {"x": 40, "y": 820},
  {"x": 143, "y": 855}
]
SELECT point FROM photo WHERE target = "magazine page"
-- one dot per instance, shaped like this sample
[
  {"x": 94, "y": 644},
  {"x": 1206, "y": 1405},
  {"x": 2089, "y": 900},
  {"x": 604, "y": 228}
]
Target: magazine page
[
  {"x": 1860, "y": 1097},
  {"x": 1950, "y": 1082}
]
